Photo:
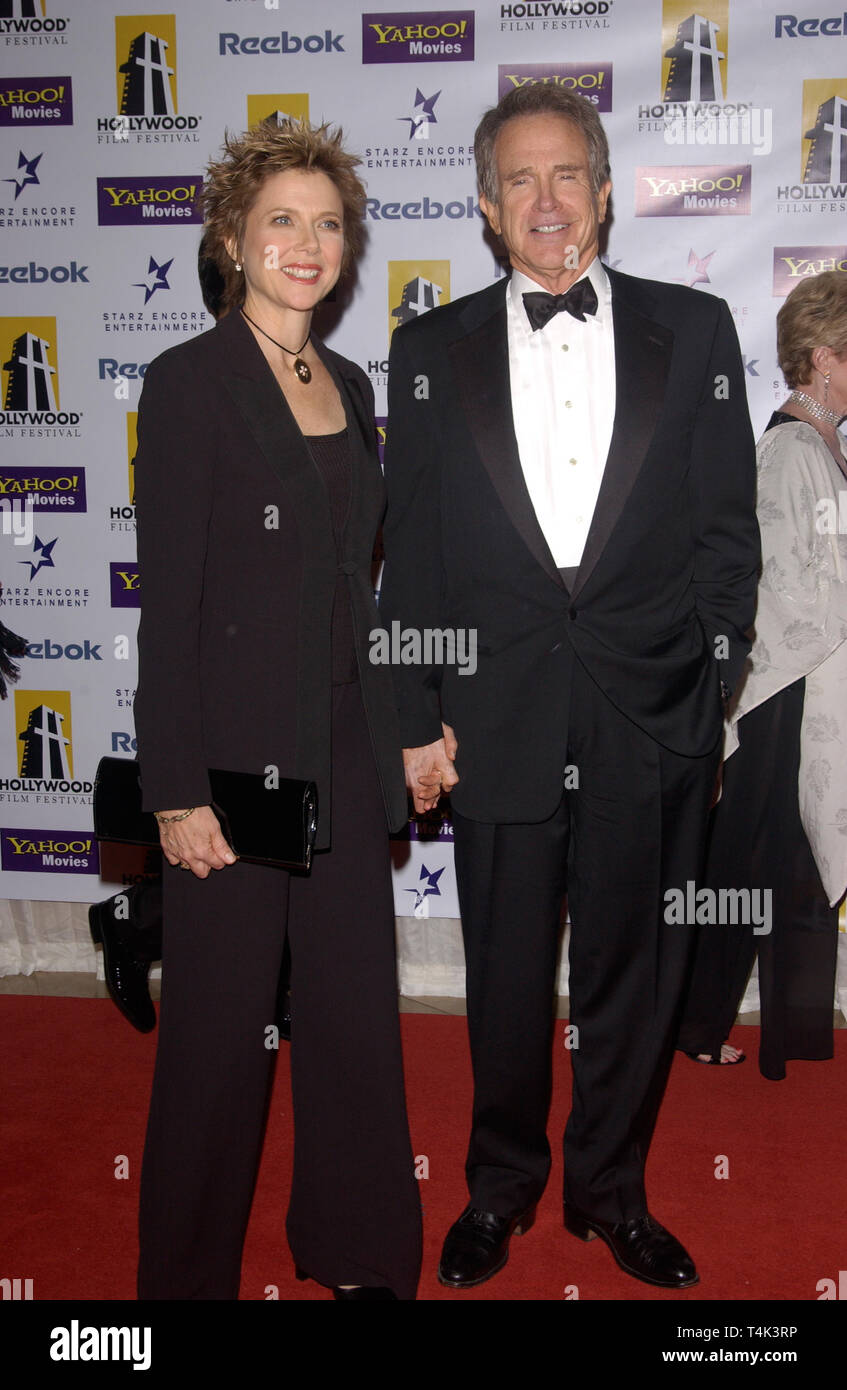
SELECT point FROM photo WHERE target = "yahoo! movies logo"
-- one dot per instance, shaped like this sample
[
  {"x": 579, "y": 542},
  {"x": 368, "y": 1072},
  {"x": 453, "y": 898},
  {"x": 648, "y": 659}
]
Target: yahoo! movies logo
[
  {"x": 43, "y": 489},
  {"x": 31, "y": 379},
  {"x": 693, "y": 191},
  {"x": 791, "y": 264},
  {"x": 146, "y": 78},
  {"x": 590, "y": 80},
  {"x": 129, "y": 202},
  {"x": 124, "y": 585},
  {"x": 415, "y": 287},
  {"x": 24, "y": 24},
  {"x": 35, "y": 101},
  {"x": 421, "y": 36},
  {"x": 49, "y": 852}
]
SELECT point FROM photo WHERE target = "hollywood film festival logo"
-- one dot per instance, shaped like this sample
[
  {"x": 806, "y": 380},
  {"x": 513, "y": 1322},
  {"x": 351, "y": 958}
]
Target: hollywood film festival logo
[
  {"x": 146, "y": 75},
  {"x": 823, "y": 151},
  {"x": 45, "y": 762},
  {"x": 414, "y": 287},
  {"x": 695, "y": 110},
  {"x": 25, "y": 24},
  {"x": 28, "y": 355},
  {"x": 549, "y": 16}
]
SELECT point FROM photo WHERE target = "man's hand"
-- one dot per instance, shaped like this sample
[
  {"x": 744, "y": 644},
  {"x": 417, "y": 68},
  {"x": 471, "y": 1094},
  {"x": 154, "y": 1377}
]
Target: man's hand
[
  {"x": 430, "y": 770},
  {"x": 195, "y": 843}
]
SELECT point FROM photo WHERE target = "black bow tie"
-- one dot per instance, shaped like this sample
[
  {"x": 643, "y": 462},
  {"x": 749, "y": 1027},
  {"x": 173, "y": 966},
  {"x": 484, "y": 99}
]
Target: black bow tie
[{"x": 579, "y": 300}]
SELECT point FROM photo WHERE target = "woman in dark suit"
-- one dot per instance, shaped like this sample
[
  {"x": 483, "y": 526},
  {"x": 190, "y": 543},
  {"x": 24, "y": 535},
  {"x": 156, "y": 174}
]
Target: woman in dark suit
[{"x": 258, "y": 495}]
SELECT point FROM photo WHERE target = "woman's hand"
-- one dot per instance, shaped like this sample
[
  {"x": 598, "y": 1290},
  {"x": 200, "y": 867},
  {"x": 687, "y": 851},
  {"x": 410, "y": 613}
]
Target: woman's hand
[{"x": 195, "y": 843}]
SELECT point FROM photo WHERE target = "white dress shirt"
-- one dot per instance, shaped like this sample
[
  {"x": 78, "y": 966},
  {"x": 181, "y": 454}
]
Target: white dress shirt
[{"x": 562, "y": 381}]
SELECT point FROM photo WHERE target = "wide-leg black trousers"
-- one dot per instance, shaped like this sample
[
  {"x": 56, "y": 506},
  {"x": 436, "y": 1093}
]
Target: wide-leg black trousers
[
  {"x": 756, "y": 839},
  {"x": 354, "y": 1214},
  {"x": 633, "y": 828}
]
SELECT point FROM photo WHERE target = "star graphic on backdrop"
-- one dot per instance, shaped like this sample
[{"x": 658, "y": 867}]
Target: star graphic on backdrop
[
  {"x": 30, "y": 176},
  {"x": 157, "y": 278},
  {"x": 697, "y": 268},
  {"x": 426, "y": 115},
  {"x": 431, "y": 885},
  {"x": 46, "y": 561}
]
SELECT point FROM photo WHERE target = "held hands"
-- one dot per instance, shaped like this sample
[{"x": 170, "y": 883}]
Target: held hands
[
  {"x": 430, "y": 770},
  {"x": 195, "y": 843}
]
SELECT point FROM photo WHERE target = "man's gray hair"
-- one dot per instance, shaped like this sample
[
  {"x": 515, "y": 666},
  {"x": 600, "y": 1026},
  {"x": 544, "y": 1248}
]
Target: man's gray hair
[{"x": 534, "y": 99}]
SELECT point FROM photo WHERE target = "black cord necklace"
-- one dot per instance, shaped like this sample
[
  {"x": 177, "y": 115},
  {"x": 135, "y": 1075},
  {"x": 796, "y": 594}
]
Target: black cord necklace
[{"x": 302, "y": 369}]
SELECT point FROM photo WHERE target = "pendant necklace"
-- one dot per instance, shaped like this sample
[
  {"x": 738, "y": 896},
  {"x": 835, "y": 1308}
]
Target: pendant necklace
[{"x": 302, "y": 369}]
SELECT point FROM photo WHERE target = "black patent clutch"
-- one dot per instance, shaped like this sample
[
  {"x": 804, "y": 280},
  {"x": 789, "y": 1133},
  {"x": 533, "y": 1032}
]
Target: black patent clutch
[{"x": 265, "y": 825}]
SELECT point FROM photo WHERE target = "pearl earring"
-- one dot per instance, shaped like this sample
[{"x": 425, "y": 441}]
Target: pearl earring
[{"x": 237, "y": 265}]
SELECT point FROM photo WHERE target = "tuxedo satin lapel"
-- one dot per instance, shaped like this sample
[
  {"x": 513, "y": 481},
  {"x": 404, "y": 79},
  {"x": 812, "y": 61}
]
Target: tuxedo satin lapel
[
  {"x": 642, "y": 357},
  {"x": 481, "y": 369}
]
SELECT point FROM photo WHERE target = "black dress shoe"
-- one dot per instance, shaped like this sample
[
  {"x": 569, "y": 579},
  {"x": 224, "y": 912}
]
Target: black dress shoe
[
  {"x": 477, "y": 1246},
  {"x": 128, "y": 953},
  {"x": 641, "y": 1247}
]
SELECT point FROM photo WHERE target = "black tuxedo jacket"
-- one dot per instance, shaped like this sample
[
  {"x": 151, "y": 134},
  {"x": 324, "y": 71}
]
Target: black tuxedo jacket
[
  {"x": 667, "y": 579},
  {"x": 238, "y": 570}
]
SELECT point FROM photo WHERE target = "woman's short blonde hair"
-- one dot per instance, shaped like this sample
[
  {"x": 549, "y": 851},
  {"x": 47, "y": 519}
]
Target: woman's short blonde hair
[
  {"x": 273, "y": 147},
  {"x": 814, "y": 315}
]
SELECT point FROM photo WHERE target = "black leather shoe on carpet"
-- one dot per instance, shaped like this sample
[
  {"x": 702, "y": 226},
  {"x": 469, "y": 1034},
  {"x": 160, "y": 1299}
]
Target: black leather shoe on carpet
[
  {"x": 641, "y": 1247},
  {"x": 477, "y": 1246}
]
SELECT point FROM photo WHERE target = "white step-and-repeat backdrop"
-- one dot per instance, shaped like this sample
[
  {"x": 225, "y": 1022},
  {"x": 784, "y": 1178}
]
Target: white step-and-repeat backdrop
[{"x": 728, "y": 127}]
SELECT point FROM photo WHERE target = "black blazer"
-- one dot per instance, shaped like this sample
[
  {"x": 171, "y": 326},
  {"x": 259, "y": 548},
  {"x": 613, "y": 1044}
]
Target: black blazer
[
  {"x": 670, "y": 562},
  {"x": 238, "y": 570}
]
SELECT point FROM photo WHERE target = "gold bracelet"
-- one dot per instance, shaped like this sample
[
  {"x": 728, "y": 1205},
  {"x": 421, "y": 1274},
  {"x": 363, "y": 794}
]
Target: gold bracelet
[{"x": 168, "y": 820}]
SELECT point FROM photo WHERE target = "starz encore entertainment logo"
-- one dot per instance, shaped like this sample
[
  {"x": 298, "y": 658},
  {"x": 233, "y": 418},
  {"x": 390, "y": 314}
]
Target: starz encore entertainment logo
[{"x": 420, "y": 36}]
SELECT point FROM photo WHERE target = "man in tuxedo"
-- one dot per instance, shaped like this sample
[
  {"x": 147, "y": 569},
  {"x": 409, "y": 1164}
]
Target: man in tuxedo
[{"x": 571, "y": 475}]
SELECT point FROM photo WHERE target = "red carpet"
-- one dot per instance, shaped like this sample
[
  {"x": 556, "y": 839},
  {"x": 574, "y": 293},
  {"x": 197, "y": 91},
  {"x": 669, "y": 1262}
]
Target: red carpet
[{"x": 74, "y": 1097}]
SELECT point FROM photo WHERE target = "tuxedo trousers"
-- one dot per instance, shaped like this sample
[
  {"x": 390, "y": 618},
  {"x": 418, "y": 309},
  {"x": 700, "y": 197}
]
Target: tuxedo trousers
[
  {"x": 630, "y": 826},
  {"x": 354, "y": 1213}
]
